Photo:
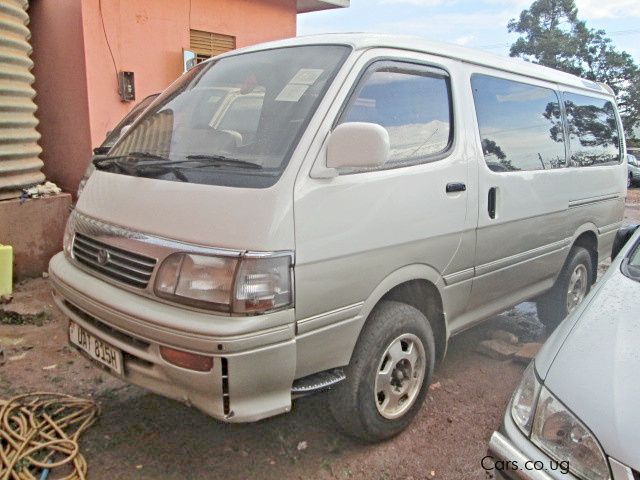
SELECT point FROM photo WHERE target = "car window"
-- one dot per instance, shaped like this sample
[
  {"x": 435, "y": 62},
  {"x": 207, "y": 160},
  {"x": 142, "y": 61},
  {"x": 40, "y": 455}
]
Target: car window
[
  {"x": 520, "y": 125},
  {"x": 632, "y": 268},
  {"x": 128, "y": 119},
  {"x": 594, "y": 138},
  {"x": 412, "y": 103}
]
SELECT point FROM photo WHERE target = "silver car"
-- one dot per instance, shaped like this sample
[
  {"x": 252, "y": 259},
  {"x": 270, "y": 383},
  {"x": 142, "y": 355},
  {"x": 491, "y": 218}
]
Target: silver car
[
  {"x": 575, "y": 415},
  {"x": 634, "y": 170}
]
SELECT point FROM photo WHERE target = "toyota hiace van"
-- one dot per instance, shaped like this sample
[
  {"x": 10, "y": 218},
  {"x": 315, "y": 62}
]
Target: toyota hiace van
[{"x": 327, "y": 212}]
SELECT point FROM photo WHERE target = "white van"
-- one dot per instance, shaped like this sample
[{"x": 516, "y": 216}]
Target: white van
[{"x": 327, "y": 212}]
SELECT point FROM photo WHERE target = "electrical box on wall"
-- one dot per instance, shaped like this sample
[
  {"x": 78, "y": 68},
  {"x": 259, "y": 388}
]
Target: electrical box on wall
[{"x": 126, "y": 86}]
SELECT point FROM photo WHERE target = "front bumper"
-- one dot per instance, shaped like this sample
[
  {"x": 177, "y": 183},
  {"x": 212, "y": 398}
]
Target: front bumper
[
  {"x": 252, "y": 370},
  {"x": 513, "y": 456}
]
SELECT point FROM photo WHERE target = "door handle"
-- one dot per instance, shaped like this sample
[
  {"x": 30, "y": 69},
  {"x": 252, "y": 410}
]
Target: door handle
[
  {"x": 456, "y": 187},
  {"x": 491, "y": 203}
]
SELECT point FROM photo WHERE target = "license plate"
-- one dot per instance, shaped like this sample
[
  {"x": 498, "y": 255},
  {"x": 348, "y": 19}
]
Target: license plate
[{"x": 97, "y": 349}]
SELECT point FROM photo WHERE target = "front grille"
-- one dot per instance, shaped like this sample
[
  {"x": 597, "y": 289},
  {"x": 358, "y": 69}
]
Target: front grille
[{"x": 116, "y": 263}]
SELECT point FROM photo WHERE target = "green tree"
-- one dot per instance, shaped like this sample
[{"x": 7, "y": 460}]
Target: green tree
[{"x": 551, "y": 34}]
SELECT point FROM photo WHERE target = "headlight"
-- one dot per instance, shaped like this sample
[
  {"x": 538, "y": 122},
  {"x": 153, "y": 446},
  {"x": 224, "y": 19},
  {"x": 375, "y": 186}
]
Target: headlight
[
  {"x": 524, "y": 400},
  {"x": 248, "y": 284},
  {"x": 560, "y": 434},
  {"x": 85, "y": 178}
]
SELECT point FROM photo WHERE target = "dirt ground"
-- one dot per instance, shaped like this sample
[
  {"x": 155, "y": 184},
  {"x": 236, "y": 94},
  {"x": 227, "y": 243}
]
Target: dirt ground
[{"x": 141, "y": 435}]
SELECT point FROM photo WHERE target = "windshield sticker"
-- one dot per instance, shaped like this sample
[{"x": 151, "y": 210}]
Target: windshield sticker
[
  {"x": 306, "y": 76},
  {"x": 299, "y": 84},
  {"x": 292, "y": 93}
]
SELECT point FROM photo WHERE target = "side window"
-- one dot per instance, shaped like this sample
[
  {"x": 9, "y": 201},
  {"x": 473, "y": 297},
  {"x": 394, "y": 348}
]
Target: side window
[
  {"x": 594, "y": 138},
  {"x": 520, "y": 125},
  {"x": 413, "y": 103}
]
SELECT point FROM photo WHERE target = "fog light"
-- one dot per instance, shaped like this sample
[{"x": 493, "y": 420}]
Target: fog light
[{"x": 190, "y": 361}]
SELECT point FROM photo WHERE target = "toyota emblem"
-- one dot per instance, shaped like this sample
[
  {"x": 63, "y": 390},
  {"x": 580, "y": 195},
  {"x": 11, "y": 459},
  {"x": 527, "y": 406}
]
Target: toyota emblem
[{"x": 103, "y": 257}]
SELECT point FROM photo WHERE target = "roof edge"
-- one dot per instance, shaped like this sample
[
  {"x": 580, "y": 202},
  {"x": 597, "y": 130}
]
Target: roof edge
[{"x": 305, "y": 6}]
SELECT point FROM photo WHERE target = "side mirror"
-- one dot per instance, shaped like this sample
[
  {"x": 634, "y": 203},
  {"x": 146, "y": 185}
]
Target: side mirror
[
  {"x": 622, "y": 237},
  {"x": 358, "y": 145},
  {"x": 101, "y": 150},
  {"x": 124, "y": 130}
]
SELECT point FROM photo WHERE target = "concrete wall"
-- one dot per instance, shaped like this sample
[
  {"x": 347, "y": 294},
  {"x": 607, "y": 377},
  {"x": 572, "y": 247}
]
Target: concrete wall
[
  {"x": 249, "y": 20},
  {"x": 80, "y": 45},
  {"x": 34, "y": 228}
]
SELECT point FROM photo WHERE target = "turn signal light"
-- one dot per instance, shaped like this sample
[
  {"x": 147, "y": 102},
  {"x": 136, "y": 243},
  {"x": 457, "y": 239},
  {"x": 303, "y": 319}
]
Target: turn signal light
[{"x": 190, "y": 361}]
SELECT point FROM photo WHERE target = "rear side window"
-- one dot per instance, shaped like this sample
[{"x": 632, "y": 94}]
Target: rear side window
[
  {"x": 520, "y": 125},
  {"x": 413, "y": 103},
  {"x": 594, "y": 138}
]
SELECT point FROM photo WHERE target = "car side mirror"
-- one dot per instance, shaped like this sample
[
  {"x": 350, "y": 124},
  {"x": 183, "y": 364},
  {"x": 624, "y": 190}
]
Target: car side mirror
[
  {"x": 358, "y": 145},
  {"x": 101, "y": 150},
  {"x": 124, "y": 130},
  {"x": 622, "y": 237}
]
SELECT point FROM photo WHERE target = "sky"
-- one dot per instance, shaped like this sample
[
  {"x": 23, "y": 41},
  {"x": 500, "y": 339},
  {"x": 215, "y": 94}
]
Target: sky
[{"x": 474, "y": 23}]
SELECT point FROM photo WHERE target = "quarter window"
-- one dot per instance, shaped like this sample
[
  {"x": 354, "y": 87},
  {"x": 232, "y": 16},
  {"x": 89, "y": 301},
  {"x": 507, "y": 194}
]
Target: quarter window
[
  {"x": 412, "y": 103},
  {"x": 520, "y": 125},
  {"x": 594, "y": 138}
]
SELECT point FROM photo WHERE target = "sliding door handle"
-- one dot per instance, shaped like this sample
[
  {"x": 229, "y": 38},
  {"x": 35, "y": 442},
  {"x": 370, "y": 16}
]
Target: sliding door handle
[
  {"x": 491, "y": 202},
  {"x": 456, "y": 187}
]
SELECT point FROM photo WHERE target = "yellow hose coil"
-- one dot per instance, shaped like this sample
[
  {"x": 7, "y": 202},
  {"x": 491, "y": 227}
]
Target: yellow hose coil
[{"x": 40, "y": 431}]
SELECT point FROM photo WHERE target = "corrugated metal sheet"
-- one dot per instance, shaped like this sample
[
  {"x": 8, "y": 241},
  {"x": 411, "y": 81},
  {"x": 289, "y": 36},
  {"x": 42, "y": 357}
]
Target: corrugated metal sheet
[{"x": 19, "y": 150}]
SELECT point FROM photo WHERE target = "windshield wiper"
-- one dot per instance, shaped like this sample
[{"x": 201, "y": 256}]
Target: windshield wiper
[
  {"x": 144, "y": 160},
  {"x": 154, "y": 163},
  {"x": 103, "y": 161},
  {"x": 215, "y": 160}
]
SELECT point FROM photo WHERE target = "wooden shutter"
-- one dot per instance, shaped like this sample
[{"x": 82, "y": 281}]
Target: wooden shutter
[{"x": 208, "y": 44}]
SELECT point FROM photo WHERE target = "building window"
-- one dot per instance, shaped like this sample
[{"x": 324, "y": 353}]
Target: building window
[{"x": 207, "y": 44}]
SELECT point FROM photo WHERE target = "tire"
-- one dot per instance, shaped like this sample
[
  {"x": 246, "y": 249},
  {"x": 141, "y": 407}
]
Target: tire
[
  {"x": 392, "y": 332},
  {"x": 630, "y": 180},
  {"x": 572, "y": 285}
]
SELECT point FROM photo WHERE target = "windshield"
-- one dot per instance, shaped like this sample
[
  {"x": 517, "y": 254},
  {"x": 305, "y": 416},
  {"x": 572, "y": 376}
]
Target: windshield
[
  {"x": 234, "y": 121},
  {"x": 128, "y": 119},
  {"x": 632, "y": 267}
]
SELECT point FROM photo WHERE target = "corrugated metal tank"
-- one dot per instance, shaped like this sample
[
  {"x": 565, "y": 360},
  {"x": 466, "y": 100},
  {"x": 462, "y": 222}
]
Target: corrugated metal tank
[{"x": 19, "y": 150}]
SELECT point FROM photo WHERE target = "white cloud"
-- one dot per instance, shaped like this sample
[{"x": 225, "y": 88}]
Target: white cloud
[
  {"x": 595, "y": 9},
  {"x": 419, "y": 3},
  {"x": 464, "y": 40},
  {"x": 445, "y": 25}
]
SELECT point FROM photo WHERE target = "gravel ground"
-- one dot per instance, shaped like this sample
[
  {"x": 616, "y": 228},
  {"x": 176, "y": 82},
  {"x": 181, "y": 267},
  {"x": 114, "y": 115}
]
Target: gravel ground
[{"x": 141, "y": 435}]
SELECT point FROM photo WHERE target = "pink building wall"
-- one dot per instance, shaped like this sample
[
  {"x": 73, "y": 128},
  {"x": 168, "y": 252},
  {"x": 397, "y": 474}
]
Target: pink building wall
[
  {"x": 61, "y": 89},
  {"x": 76, "y": 80}
]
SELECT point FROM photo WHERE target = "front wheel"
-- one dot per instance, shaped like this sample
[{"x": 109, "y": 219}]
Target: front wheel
[
  {"x": 571, "y": 287},
  {"x": 388, "y": 376}
]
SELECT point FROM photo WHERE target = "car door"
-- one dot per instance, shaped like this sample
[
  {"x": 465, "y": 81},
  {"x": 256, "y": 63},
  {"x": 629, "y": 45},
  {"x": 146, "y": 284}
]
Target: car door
[
  {"x": 356, "y": 229},
  {"x": 522, "y": 235}
]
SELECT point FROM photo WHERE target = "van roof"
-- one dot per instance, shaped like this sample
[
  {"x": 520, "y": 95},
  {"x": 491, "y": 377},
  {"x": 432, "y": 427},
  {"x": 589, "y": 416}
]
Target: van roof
[{"x": 364, "y": 41}]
